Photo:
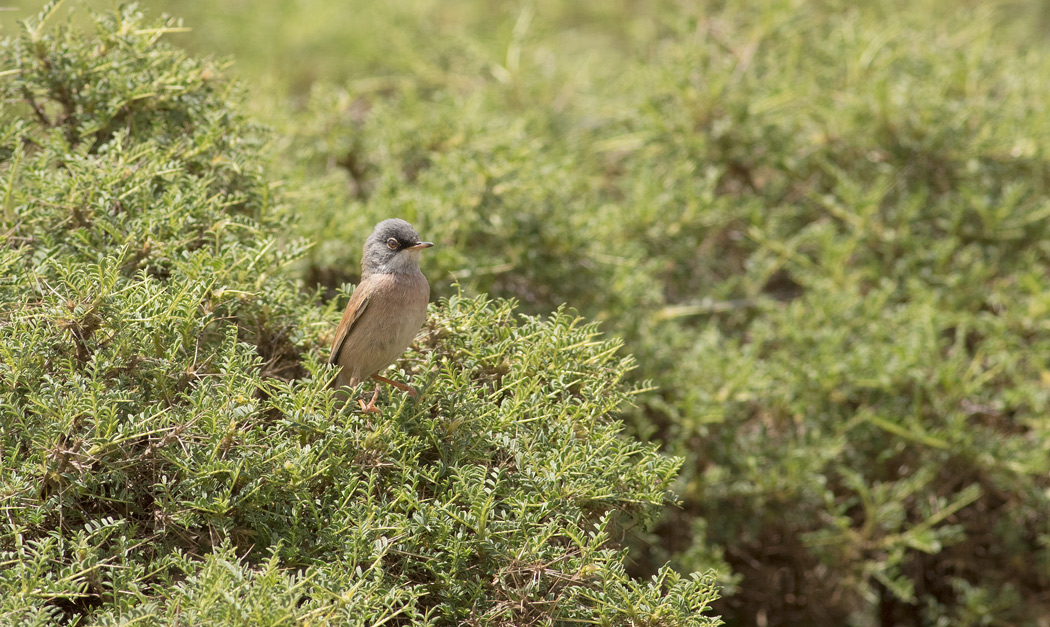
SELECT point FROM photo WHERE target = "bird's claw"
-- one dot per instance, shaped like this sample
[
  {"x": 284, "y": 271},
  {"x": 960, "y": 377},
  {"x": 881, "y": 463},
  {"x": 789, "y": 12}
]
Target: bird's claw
[{"x": 370, "y": 408}]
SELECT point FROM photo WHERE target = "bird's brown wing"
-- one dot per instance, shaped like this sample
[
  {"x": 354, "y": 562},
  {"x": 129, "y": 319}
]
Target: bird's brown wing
[{"x": 358, "y": 302}]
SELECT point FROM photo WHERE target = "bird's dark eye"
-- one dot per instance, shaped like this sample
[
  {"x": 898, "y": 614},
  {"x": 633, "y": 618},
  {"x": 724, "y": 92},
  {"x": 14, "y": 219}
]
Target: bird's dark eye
[{"x": 392, "y": 243}]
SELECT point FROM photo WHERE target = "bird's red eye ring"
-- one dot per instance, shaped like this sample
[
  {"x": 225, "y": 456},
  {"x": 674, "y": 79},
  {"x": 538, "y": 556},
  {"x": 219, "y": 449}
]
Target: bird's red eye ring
[{"x": 392, "y": 243}]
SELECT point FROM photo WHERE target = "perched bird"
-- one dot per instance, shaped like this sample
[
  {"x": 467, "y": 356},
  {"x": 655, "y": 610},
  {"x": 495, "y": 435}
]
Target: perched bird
[{"x": 385, "y": 311}]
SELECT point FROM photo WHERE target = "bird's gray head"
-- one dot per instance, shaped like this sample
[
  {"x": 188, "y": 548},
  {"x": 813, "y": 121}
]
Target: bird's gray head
[{"x": 392, "y": 248}]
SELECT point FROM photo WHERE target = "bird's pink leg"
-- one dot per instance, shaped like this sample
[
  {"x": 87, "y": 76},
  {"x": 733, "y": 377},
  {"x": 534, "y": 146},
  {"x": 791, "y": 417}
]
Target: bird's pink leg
[{"x": 401, "y": 386}]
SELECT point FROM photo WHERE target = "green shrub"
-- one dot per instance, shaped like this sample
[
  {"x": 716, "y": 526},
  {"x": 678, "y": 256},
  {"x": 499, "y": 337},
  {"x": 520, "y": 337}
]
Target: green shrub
[
  {"x": 820, "y": 227},
  {"x": 872, "y": 395},
  {"x": 170, "y": 452}
]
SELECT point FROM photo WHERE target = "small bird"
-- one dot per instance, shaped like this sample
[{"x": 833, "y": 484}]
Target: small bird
[{"x": 386, "y": 310}]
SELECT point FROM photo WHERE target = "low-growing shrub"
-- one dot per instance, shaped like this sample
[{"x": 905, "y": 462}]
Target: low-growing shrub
[
  {"x": 170, "y": 449},
  {"x": 820, "y": 228}
]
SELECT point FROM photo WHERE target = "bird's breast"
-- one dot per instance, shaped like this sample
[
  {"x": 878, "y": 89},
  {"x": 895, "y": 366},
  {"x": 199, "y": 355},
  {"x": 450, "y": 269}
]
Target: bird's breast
[{"x": 397, "y": 308}]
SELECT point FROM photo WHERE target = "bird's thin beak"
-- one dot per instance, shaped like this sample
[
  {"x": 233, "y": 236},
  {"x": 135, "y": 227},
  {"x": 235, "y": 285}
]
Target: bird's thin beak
[{"x": 420, "y": 246}]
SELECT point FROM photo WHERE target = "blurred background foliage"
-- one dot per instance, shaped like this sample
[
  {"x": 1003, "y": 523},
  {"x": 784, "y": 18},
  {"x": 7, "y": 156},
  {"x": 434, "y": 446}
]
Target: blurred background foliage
[{"x": 820, "y": 227}]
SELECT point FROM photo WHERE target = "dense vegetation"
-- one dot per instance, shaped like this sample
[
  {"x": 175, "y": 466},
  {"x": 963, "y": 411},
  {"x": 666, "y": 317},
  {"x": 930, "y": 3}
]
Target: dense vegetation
[
  {"x": 170, "y": 451},
  {"x": 820, "y": 229}
]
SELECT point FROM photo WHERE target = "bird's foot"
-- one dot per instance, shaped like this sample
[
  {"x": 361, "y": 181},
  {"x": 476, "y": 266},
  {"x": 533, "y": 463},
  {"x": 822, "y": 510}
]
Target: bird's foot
[
  {"x": 401, "y": 386},
  {"x": 370, "y": 408}
]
